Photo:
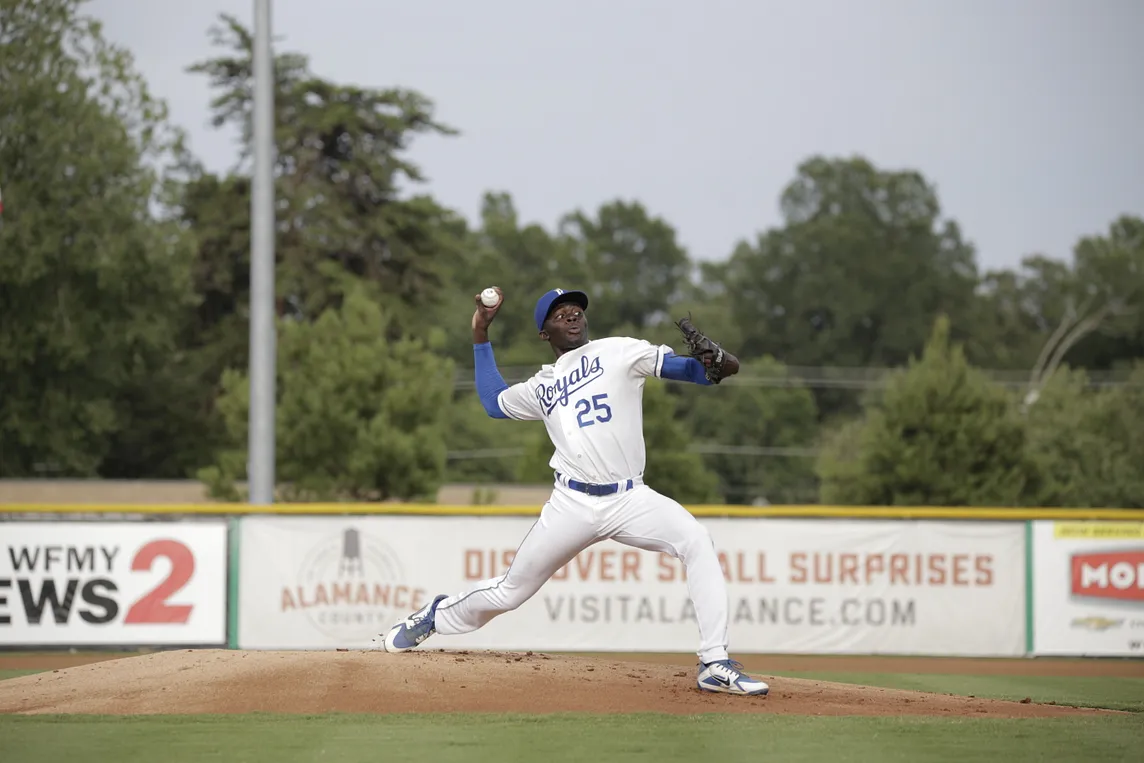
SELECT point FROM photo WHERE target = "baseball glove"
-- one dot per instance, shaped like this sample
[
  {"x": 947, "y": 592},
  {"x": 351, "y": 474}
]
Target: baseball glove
[{"x": 703, "y": 349}]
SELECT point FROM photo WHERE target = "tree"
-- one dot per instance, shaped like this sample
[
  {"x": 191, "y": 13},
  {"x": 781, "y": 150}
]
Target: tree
[
  {"x": 1106, "y": 299},
  {"x": 217, "y": 211},
  {"x": 1017, "y": 312},
  {"x": 486, "y": 448},
  {"x": 670, "y": 467},
  {"x": 355, "y": 418},
  {"x": 1088, "y": 443},
  {"x": 841, "y": 466},
  {"x": 339, "y": 168},
  {"x": 1064, "y": 441},
  {"x": 524, "y": 261},
  {"x": 634, "y": 266},
  {"x": 1088, "y": 313},
  {"x": 342, "y": 223},
  {"x": 1122, "y": 418},
  {"x": 861, "y": 266},
  {"x": 755, "y": 438},
  {"x": 942, "y": 435},
  {"x": 91, "y": 282}
]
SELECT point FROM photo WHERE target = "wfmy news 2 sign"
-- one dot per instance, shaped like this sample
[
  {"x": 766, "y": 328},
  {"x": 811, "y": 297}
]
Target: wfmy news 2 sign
[
  {"x": 115, "y": 583},
  {"x": 794, "y": 586},
  {"x": 1088, "y": 588}
]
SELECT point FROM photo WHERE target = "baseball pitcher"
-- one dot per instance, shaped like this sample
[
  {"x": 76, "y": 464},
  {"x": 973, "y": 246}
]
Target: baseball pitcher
[{"x": 590, "y": 400}]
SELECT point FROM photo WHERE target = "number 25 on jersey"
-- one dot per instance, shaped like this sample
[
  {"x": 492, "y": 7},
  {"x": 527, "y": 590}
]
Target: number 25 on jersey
[{"x": 584, "y": 407}]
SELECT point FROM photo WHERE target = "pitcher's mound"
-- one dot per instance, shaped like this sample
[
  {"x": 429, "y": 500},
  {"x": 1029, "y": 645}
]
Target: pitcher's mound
[{"x": 224, "y": 681}]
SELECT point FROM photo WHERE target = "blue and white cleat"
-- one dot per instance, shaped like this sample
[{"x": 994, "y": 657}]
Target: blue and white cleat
[
  {"x": 410, "y": 632},
  {"x": 726, "y": 676}
]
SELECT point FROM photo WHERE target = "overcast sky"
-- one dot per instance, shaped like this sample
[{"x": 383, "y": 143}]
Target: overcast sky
[{"x": 1026, "y": 114}]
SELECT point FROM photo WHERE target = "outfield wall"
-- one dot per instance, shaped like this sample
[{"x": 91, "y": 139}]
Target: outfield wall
[{"x": 809, "y": 580}]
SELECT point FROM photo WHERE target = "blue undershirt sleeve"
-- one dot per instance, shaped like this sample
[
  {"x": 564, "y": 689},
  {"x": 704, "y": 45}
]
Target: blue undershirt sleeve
[
  {"x": 490, "y": 383},
  {"x": 684, "y": 368}
]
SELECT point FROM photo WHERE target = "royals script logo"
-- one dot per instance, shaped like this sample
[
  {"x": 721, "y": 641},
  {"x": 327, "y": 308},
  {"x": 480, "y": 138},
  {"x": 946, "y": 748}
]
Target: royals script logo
[{"x": 551, "y": 395}]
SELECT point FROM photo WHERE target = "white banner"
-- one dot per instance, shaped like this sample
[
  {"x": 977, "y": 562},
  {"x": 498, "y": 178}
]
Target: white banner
[
  {"x": 116, "y": 583},
  {"x": 843, "y": 587},
  {"x": 1088, "y": 588}
]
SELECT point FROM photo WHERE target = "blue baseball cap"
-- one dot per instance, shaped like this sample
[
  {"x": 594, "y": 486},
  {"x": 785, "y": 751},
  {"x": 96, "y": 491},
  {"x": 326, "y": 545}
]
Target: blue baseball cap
[{"x": 550, "y": 298}]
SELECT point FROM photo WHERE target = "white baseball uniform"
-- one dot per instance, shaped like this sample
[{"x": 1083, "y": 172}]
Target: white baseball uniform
[{"x": 591, "y": 402}]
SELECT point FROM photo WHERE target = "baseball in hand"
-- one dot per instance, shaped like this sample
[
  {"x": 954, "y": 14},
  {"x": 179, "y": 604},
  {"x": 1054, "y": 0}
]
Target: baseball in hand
[{"x": 489, "y": 297}]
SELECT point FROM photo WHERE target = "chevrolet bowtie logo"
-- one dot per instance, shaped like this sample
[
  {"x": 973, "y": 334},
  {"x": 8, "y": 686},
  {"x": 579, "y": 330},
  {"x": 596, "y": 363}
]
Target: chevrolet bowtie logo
[{"x": 1095, "y": 623}]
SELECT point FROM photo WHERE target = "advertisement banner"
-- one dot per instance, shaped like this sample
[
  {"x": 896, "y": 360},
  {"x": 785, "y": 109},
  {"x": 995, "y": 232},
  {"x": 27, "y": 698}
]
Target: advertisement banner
[
  {"x": 113, "y": 583},
  {"x": 1088, "y": 588},
  {"x": 812, "y": 586}
]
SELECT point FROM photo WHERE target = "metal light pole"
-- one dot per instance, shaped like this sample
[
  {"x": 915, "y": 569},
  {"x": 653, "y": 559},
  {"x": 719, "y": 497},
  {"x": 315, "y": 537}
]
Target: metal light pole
[{"x": 263, "y": 337}]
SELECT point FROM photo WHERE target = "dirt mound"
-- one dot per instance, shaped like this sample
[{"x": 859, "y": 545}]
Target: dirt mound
[{"x": 223, "y": 681}]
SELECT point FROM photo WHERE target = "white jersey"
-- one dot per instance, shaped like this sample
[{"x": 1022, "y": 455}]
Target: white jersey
[{"x": 591, "y": 401}]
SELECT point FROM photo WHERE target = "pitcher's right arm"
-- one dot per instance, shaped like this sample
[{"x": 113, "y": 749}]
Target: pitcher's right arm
[{"x": 499, "y": 400}]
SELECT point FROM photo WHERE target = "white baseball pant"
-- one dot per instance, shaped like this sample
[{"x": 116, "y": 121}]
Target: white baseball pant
[{"x": 570, "y": 522}]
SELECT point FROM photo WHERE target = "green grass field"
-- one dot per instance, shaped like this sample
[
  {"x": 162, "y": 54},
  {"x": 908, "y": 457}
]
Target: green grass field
[
  {"x": 1110, "y": 693},
  {"x": 494, "y": 739},
  {"x": 555, "y": 738}
]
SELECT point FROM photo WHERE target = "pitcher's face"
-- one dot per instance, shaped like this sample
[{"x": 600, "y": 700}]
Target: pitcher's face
[{"x": 566, "y": 327}]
